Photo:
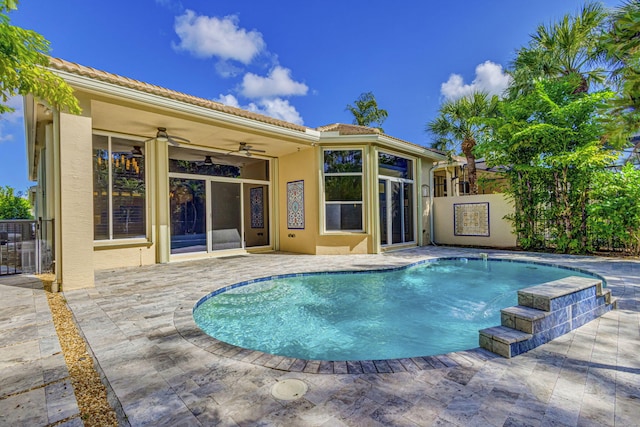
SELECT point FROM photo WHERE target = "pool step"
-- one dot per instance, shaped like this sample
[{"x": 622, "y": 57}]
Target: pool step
[{"x": 545, "y": 312}]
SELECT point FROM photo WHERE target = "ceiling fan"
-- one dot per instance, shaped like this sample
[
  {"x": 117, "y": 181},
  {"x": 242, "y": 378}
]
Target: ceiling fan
[
  {"x": 247, "y": 149},
  {"x": 206, "y": 162},
  {"x": 162, "y": 135}
]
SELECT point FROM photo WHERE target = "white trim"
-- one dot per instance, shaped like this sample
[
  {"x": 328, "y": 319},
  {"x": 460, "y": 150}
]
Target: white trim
[
  {"x": 110, "y": 218},
  {"x": 323, "y": 194},
  {"x": 385, "y": 141},
  {"x": 402, "y": 182}
]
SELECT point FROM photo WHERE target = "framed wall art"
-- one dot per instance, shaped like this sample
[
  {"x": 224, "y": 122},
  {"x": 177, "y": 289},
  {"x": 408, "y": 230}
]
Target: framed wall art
[
  {"x": 295, "y": 205},
  {"x": 471, "y": 219}
]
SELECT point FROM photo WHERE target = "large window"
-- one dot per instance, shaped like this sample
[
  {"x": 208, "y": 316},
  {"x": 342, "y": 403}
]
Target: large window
[
  {"x": 343, "y": 190},
  {"x": 119, "y": 189}
]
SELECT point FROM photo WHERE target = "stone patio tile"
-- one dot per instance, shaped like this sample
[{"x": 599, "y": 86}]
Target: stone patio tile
[
  {"x": 561, "y": 411},
  {"x": 17, "y": 354},
  {"x": 133, "y": 323},
  {"x": 26, "y": 377},
  {"x": 597, "y": 410},
  {"x": 24, "y": 409},
  {"x": 61, "y": 401},
  {"x": 17, "y": 334}
]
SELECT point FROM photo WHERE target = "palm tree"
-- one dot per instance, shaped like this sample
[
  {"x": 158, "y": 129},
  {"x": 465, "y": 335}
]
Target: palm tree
[
  {"x": 458, "y": 123},
  {"x": 567, "y": 47},
  {"x": 366, "y": 111},
  {"x": 620, "y": 45}
]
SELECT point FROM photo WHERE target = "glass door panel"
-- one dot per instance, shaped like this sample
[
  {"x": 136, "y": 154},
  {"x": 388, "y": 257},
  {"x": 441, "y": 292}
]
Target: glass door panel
[
  {"x": 408, "y": 212},
  {"x": 256, "y": 218},
  {"x": 396, "y": 211},
  {"x": 226, "y": 216},
  {"x": 187, "y": 200},
  {"x": 382, "y": 190}
]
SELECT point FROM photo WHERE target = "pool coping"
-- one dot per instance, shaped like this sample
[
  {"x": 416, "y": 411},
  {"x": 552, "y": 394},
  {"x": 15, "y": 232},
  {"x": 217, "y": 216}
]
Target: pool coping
[{"x": 190, "y": 331}]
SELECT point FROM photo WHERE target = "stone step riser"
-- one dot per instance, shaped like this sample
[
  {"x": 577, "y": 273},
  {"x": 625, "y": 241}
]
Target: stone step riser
[
  {"x": 546, "y": 312},
  {"x": 533, "y": 323}
]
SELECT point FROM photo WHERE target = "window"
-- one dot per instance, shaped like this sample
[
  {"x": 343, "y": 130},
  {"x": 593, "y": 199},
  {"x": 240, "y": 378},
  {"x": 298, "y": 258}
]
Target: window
[
  {"x": 343, "y": 190},
  {"x": 119, "y": 189},
  {"x": 395, "y": 166}
]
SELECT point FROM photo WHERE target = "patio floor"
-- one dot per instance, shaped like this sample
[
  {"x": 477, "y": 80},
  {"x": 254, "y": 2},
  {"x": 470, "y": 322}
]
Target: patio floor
[{"x": 134, "y": 323}]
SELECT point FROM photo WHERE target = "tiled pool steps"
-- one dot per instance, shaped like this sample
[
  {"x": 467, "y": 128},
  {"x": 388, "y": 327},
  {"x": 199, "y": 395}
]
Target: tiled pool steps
[{"x": 545, "y": 312}]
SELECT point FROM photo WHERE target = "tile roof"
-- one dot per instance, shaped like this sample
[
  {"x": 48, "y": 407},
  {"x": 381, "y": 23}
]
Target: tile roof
[
  {"x": 81, "y": 70},
  {"x": 93, "y": 73},
  {"x": 344, "y": 129}
]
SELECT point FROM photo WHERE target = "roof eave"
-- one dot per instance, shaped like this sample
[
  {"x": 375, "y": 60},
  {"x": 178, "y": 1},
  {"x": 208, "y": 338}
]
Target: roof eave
[
  {"x": 384, "y": 140},
  {"x": 29, "y": 105},
  {"x": 91, "y": 85}
]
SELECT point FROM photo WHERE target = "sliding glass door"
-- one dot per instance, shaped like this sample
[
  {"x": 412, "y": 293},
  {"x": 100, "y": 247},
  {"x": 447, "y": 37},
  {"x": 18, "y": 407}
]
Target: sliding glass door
[
  {"x": 218, "y": 202},
  {"x": 396, "y": 212},
  {"x": 396, "y": 199}
]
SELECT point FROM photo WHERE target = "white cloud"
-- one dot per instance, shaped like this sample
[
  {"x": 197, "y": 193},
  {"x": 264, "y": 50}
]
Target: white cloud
[
  {"x": 273, "y": 107},
  {"x": 229, "y": 100},
  {"x": 11, "y": 123},
  {"x": 207, "y": 37},
  {"x": 277, "y": 108},
  {"x": 489, "y": 79},
  {"x": 277, "y": 83}
]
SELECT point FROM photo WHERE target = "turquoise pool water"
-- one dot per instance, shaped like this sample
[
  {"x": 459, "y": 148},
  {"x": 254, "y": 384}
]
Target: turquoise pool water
[{"x": 426, "y": 309}]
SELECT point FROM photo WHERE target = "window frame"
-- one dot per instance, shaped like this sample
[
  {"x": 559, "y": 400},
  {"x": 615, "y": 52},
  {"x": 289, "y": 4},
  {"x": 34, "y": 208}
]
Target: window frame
[
  {"x": 403, "y": 181},
  {"x": 122, "y": 241},
  {"x": 360, "y": 202}
]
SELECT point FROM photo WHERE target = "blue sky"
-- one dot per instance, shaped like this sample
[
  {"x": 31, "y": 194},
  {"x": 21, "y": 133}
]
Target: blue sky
[{"x": 298, "y": 61}]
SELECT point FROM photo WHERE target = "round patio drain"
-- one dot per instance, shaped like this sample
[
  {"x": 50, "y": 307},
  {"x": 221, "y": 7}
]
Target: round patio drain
[{"x": 289, "y": 389}]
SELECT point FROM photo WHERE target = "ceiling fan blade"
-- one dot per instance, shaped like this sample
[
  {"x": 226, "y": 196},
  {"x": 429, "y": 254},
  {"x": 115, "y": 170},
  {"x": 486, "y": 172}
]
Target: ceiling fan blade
[
  {"x": 173, "y": 141},
  {"x": 246, "y": 148}
]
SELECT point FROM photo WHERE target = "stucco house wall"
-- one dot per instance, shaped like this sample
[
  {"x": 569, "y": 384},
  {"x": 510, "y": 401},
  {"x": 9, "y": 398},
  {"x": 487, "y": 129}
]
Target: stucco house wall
[
  {"x": 500, "y": 230},
  {"x": 299, "y": 166}
]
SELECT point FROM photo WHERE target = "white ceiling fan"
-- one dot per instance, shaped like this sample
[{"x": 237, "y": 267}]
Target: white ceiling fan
[
  {"x": 247, "y": 149},
  {"x": 162, "y": 135}
]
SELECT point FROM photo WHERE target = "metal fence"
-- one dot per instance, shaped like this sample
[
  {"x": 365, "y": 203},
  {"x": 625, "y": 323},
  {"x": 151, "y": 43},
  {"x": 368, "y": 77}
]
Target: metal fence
[
  {"x": 26, "y": 246},
  {"x": 595, "y": 243}
]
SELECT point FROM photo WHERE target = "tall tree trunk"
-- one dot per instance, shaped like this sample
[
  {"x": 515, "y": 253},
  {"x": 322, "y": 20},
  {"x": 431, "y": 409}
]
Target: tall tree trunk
[{"x": 467, "y": 149}]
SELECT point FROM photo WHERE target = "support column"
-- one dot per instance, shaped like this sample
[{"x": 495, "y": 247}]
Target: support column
[
  {"x": 163, "y": 219},
  {"x": 74, "y": 219}
]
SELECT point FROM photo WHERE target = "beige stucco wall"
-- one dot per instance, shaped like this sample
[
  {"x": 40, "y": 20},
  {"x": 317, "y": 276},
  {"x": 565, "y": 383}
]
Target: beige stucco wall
[
  {"x": 500, "y": 230},
  {"x": 113, "y": 257},
  {"x": 343, "y": 244},
  {"x": 75, "y": 216},
  {"x": 295, "y": 167},
  {"x": 424, "y": 202}
]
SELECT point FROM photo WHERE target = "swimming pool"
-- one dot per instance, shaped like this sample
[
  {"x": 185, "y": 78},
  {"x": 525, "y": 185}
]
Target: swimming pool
[{"x": 425, "y": 309}]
